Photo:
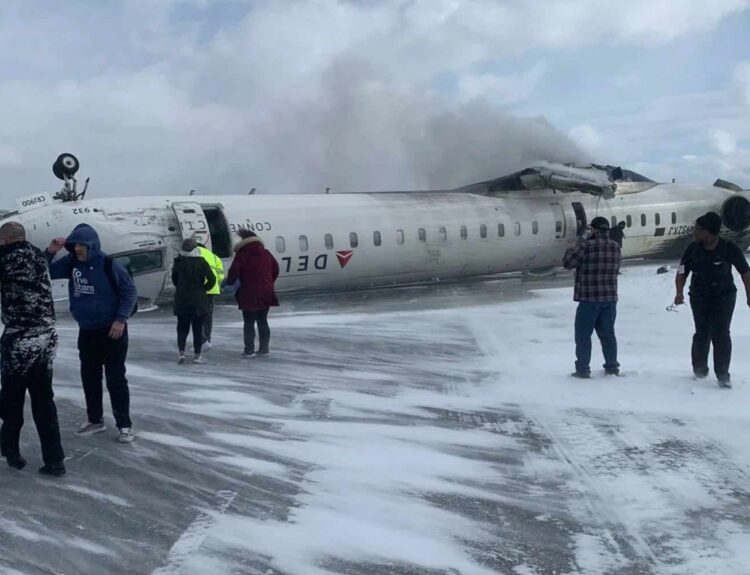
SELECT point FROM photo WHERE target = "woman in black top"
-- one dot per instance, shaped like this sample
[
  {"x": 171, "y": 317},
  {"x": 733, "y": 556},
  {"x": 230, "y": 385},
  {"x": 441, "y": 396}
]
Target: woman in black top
[
  {"x": 192, "y": 277},
  {"x": 713, "y": 294}
]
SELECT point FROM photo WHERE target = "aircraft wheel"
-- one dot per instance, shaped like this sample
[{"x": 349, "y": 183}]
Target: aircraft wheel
[{"x": 66, "y": 165}]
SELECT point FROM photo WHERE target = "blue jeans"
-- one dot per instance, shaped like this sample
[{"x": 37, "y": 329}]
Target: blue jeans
[{"x": 601, "y": 317}]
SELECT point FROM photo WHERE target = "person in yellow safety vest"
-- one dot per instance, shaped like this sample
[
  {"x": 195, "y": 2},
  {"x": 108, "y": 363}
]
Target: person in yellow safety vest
[{"x": 217, "y": 267}]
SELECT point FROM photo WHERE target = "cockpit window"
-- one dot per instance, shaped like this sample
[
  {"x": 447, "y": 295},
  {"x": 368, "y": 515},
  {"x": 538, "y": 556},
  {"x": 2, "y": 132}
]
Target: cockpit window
[{"x": 141, "y": 262}]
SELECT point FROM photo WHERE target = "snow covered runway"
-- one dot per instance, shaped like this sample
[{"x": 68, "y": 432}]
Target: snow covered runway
[{"x": 414, "y": 431}]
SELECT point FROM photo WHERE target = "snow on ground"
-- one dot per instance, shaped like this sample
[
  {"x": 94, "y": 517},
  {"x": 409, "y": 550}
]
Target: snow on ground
[{"x": 413, "y": 431}]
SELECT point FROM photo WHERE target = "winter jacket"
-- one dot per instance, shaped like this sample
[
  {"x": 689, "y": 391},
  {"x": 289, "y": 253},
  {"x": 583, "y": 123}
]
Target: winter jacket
[
  {"x": 94, "y": 301},
  {"x": 192, "y": 278},
  {"x": 257, "y": 270},
  {"x": 26, "y": 293},
  {"x": 217, "y": 267}
]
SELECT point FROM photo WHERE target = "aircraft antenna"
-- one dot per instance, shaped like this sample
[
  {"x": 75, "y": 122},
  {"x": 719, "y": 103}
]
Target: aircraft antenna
[{"x": 85, "y": 187}]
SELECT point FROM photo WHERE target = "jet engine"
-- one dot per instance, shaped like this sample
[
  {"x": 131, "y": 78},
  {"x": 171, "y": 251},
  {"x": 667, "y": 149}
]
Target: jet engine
[{"x": 735, "y": 213}]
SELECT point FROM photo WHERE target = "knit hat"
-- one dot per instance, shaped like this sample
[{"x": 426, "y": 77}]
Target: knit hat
[
  {"x": 189, "y": 245},
  {"x": 711, "y": 222},
  {"x": 600, "y": 223}
]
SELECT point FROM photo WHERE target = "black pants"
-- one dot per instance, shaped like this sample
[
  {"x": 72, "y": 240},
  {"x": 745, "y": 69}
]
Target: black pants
[
  {"x": 36, "y": 377},
  {"x": 184, "y": 322},
  {"x": 712, "y": 316},
  {"x": 100, "y": 353},
  {"x": 264, "y": 332},
  {"x": 208, "y": 319}
]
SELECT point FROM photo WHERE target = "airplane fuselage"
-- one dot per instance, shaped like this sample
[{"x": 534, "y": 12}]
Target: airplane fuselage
[{"x": 362, "y": 240}]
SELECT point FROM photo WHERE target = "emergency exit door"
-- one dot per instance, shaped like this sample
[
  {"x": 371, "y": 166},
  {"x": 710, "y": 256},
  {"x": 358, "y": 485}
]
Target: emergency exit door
[
  {"x": 561, "y": 226},
  {"x": 193, "y": 222},
  {"x": 581, "y": 221}
]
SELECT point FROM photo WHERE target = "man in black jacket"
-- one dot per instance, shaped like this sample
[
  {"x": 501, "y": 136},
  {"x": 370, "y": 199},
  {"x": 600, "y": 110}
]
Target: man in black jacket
[
  {"x": 192, "y": 278},
  {"x": 28, "y": 347},
  {"x": 713, "y": 294}
]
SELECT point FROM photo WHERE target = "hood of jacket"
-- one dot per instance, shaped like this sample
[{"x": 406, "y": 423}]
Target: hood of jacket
[
  {"x": 191, "y": 254},
  {"x": 255, "y": 245},
  {"x": 85, "y": 235}
]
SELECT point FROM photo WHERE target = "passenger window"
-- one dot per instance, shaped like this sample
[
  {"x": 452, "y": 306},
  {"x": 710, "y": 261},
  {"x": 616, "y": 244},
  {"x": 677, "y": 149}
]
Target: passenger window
[
  {"x": 376, "y": 238},
  {"x": 443, "y": 234},
  {"x": 400, "y": 237},
  {"x": 643, "y": 220},
  {"x": 482, "y": 231},
  {"x": 353, "y": 240},
  {"x": 534, "y": 227},
  {"x": 558, "y": 226},
  {"x": 629, "y": 221},
  {"x": 329, "y": 241},
  {"x": 280, "y": 245},
  {"x": 422, "y": 235},
  {"x": 464, "y": 233},
  {"x": 674, "y": 217},
  {"x": 500, "y": 230},
  {"x": 303, "y": 243},
  {"x": 657, "y": 219},
  {"x": 517, "y": 228},
  {"x": 141, "y": 262}
]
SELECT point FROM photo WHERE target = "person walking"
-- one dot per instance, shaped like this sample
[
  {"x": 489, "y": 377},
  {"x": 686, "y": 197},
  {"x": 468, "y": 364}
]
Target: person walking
[
  {"x": 256, "y": 270},
  {"x": 596, "y": 260},
  {"x": 217, "y": 267},
  {"x": 102, "y": 298},
  {"x": 192, "y": 278},
  {"x": 28, "y": 347},
  {"x": 713, "y": 295}
]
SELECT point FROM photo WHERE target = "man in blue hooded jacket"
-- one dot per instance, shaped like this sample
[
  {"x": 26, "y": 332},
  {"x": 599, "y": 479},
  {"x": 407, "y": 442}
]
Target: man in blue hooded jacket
[{"x": 102, "y": 297}]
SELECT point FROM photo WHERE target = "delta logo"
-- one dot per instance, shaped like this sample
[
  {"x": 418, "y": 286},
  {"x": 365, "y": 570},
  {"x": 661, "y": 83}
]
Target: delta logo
[{"x": 344, "y": 257}]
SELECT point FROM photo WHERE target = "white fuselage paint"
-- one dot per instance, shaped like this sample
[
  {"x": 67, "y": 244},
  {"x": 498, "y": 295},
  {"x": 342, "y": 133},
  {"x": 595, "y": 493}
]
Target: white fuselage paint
[{"x": 538, "y": 226}]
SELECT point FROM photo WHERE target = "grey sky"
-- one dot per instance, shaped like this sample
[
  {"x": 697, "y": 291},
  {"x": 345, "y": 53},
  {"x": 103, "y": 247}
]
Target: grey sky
[{"x": 161, "y": 96}]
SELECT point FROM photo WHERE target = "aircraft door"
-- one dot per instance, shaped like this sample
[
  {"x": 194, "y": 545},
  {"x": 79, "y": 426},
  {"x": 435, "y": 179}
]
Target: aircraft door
[
  {"x": 560, "y": 223},
  {"x": 581, "y": 221},
  {"x": 193, "y": 222}
]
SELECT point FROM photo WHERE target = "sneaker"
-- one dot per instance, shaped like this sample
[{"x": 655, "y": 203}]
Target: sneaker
[
  {"x": 612, "y": 370},
  {"x": 263, "y": 352},
  {"x": 89, "y": 428},
  {"x": 206, "y": 346},
  {"x": 16, "y": 461},
  {"x": 725, "y": 383},
  {"x": 198, "y": 359},
  {"x": 180, "y": 357},
  {"x": 581, "y": 374},
  {"x": 248, "y": 354},
  {"x": 700, "y": 374},
  {"x": 126, "y": 435},
  {"x": 53, "y": 469}
]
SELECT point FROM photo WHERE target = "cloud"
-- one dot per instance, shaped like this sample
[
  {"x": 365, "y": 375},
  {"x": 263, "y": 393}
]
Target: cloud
[
  {"x": 502, "y": 90},
  {"x": 163, "y": 97},
  {"x": 724, "y": 142},
  {"x": 742, "y": 80},
  {"x": 586, "y": 137}
]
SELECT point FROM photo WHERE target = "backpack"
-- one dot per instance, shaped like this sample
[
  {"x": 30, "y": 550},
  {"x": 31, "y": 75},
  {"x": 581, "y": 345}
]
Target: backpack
[{"x": 111, "y": 277}]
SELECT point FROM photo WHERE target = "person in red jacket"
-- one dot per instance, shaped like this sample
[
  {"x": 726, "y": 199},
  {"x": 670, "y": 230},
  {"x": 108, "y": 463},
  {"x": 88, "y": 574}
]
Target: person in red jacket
[{"x": 256, "y": 271}]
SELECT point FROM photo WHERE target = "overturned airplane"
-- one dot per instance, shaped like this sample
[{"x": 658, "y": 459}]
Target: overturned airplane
[{"x": 520, "y": 222}]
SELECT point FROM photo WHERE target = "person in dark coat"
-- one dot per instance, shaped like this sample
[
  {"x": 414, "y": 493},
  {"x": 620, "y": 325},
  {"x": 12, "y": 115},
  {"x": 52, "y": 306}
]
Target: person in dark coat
[
  {"x": 102, "y": 298},
  {"x": 713, "y": 295},
  {"x": 256, "y": 270},
  {"x": 28, "y": 348},
  {"x": 192, "y": 278},
  {"x": 617, "y": 234}
]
